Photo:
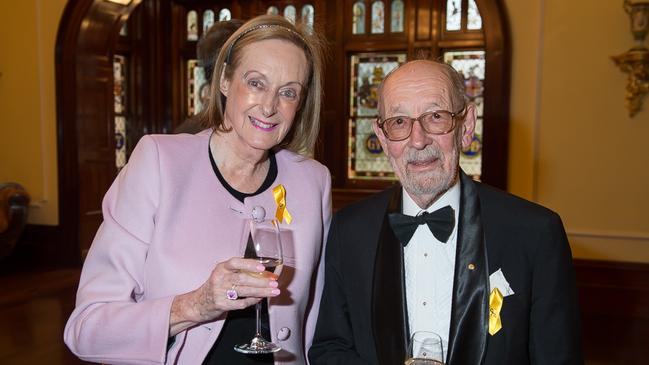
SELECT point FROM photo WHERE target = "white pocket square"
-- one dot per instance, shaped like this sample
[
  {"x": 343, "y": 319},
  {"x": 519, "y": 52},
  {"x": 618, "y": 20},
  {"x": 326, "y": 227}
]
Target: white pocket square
[{"x": 497, "y": 280}]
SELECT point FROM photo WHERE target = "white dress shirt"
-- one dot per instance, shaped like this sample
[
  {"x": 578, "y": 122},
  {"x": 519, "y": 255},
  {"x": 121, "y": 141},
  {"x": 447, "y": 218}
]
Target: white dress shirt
[{"x": 429, "y": 267}]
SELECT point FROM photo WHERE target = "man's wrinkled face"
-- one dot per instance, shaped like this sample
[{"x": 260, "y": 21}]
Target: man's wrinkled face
[{"x": 426, "y": 164}]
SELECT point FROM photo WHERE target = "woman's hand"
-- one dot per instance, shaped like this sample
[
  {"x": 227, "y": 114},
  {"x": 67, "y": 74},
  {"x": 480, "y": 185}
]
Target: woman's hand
[{"x": 211, "y": 301}]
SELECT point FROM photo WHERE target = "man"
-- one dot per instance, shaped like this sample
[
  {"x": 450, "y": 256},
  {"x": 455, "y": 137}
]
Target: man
[
  {"x": 207, "y": 49},
  {"x": 489, "y": 272}
]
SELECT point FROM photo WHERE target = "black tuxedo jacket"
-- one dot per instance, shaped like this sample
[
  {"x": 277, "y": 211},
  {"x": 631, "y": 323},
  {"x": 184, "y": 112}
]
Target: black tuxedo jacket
[{"x": 363, "y": 312}]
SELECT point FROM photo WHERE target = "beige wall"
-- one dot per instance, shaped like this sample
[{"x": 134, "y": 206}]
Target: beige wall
[
  {"x": 573, "y": 146},
  {"x": 27, "y": 103}
]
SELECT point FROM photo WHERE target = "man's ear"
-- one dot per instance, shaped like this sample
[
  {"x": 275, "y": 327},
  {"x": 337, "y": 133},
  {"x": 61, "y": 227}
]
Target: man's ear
[
  {"x": 224, "y": 83},
  {"x": 468, "y": 126}
]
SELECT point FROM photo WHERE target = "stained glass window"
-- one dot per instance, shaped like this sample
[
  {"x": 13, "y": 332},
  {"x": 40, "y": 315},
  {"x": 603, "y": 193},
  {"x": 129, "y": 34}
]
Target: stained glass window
[
  {"x": 378, "y": 17},
  {"x": 225, "y": 14},
  {"x": 358, "y": 18},
  {"x": 308, "y": 15},
  {"x": 272, "y": 10},
  {"x": 474, "y": 20},
  {"x": 471, "y": 64},
  {"x": 453, "y": 14},
  {"x": 120, "y": 142},
  {"x": 366, "y": 158},
  {"x": 192, "y": 26},
  {"x": 208, "y": 20},
  {"x": 197, "y": 88},
  {"x": 290, "y": 13},
  {"x": 119, "y": 92},
  {"x": 396, "y": 22}
]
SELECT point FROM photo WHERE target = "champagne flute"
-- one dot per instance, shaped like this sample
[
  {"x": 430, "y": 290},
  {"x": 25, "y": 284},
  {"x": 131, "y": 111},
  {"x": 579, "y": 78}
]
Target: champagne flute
[
  {"x": 425, "y": 349},
  {"x": 268, "y": 251}
]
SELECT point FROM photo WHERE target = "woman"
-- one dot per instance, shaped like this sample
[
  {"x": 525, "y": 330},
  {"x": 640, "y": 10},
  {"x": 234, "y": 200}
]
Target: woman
[{"x": 164, "y": 281}]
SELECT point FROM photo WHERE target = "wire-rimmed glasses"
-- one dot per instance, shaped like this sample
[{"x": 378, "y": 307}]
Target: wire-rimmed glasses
[{"x": 399, "y": 127}]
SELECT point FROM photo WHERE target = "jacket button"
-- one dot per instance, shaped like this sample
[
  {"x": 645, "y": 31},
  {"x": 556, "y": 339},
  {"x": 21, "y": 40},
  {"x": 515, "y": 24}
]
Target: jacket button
[{"x": 284, "y": 333}]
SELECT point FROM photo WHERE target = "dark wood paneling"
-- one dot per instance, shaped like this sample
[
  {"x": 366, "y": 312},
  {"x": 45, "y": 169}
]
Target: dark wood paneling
[
  {"x": 614, "y": 302},
  {"x": 496, "y": 100},
  {"x": 344, "y": 197},
  {"x": 38, "y": 248},
  {"x": 423, "y": 24}
]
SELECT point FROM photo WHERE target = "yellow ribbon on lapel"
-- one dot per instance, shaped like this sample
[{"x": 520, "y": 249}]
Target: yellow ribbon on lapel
[
  {"x": 280, "y": 199},
  {"x": 495, "y": 304}
]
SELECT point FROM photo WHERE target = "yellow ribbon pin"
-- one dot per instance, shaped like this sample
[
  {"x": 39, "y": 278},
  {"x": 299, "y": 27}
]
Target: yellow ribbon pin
[
  {"x": 495, "y": 304},
  {"x": 280, "y": 199}
]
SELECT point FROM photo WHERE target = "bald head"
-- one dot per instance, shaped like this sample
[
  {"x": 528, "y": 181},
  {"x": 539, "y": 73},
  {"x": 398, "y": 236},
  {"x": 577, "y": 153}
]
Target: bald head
[{"x": 418, "y": 74}]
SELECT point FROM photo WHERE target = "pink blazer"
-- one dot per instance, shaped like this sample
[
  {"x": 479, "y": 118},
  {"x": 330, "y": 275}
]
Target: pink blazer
[{"x": 167, "y": 222}]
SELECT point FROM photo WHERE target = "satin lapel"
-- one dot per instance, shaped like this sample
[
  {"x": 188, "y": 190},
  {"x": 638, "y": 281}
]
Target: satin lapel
[
  {"x": 388, "y": 293},
  {"x": 469, "y": 313}
]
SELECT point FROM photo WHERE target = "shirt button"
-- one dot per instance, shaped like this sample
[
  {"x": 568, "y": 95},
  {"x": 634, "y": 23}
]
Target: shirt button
[
  {"x": 423, "y": 303},
  {"x": 284, "y": 333},
  {"x": 425, "y": 255}
]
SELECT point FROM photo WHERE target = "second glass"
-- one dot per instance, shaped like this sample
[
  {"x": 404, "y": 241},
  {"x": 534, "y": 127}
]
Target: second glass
[{"x": 425, "y": 349}]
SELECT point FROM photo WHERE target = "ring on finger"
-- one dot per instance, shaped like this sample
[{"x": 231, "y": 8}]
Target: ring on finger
[{"x": 231, "y": 293}]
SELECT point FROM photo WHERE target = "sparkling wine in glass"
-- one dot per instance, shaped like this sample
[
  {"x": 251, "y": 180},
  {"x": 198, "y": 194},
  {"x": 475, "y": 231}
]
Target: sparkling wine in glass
[
  {"x": 267, "y": 249},
  {"x": 425, "y": 349}
]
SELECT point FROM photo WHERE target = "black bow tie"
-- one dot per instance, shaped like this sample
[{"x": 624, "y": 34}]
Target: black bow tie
[{"x": 440, "y": 222}]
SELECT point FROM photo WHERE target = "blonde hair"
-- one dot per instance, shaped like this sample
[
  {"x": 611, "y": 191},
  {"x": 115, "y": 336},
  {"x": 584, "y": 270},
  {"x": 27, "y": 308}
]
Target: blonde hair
[{"x": 306, "y": 124}]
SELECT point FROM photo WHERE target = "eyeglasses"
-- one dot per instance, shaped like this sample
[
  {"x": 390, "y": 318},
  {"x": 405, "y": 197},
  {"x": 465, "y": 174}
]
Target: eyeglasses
[{"x": 436, "y": 122}]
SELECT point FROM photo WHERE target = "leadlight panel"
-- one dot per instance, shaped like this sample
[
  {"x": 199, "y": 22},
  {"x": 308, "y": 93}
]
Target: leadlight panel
[
  {"x": 308, "y": 15},
  {"x": 120, "y": 142},
  {"x": 192, "y": 26},
  {"x": 290, "y": 13},
  {"x": 453, "y": 15},
  {"x": 378, "y": 17},
  {"x": 396, "y": 16},
  {"x": 197, "y": 88},
  {"x": 119, "y": 107},
  {"x": 208, "y": 19},
  {"x": 358, "y": 18},
  {"x": 366, "y": 159},
  {"x": 225, "y": 14},
  {"x": 471, "y": 64},
  {"x": 474, "y": 20}
]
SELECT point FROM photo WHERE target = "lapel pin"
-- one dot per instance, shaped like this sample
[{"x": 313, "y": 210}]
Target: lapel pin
[{"x": 471, "y": 266}]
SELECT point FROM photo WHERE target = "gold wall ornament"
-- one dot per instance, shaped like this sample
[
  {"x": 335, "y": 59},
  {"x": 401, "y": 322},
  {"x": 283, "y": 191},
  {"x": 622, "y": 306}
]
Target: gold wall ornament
[
  {"x": 635, "y": 62},
  {"x": 639, "y": 14}
]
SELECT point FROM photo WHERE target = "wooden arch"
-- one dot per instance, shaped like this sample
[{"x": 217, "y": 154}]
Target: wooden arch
[{"x": 85, "y": 40}]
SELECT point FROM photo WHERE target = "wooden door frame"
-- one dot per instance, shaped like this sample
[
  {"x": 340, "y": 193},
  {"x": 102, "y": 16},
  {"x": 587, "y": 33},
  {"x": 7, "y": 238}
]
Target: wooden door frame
[{"x": 86, "y": 32}]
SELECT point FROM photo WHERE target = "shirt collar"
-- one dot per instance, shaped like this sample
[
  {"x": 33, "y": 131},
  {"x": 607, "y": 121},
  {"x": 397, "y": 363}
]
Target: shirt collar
[{"x": 450, "y": 197}]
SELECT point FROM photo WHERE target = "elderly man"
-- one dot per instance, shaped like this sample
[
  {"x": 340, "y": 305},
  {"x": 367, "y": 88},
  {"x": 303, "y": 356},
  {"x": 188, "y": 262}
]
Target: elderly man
[{"x": 489, "y": 272}]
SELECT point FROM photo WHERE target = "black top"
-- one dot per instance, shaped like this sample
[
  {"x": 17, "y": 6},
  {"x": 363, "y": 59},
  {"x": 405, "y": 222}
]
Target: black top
[
  {"x": 270, "y": 178},
  {"x": 239, "y": 327}
]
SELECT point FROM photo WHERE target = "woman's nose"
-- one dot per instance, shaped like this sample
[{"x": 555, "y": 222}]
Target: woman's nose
[{"x": 269, "y": 105}]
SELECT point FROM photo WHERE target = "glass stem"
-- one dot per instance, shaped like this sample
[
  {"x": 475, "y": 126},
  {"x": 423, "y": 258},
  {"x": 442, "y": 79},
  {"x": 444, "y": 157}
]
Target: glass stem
[{"x": 258, "y": 318}]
